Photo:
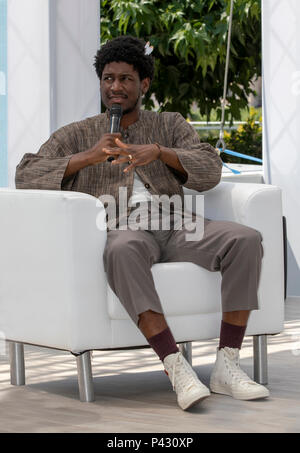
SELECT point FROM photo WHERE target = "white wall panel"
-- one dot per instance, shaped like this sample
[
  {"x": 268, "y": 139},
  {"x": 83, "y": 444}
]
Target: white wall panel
[
  {"x": 51, "y": 79},
  {"x": 28, "y": 79},
  {"x": 281, "y": 93},
  {"x": 74, "y": 43}
]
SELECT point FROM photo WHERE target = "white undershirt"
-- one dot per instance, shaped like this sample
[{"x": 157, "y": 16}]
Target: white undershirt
[{"x": 139, "y": 191}]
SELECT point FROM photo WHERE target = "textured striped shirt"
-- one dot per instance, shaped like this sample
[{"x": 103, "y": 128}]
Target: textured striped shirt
[{"x": 45, "y": 170}]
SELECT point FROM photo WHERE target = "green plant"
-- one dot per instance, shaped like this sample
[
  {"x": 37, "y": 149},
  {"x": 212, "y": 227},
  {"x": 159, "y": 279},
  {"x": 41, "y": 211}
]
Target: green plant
[
  {"x": 189, "y": 39},
  {"x": 247, "y": 139}
]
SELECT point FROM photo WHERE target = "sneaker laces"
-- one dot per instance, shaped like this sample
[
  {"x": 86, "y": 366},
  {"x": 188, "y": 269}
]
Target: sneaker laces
[
  {"x": 238, "y": 375},
  {"x": 185, "y": 376}
]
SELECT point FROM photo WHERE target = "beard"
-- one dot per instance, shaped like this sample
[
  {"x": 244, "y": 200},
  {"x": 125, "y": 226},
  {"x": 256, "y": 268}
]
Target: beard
[{"x": 131, "y": 109}]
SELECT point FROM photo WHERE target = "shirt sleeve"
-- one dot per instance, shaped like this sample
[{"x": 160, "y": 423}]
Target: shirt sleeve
[
  {"x": 201, "y": 161},
  {"x": 45, "y": 170}
]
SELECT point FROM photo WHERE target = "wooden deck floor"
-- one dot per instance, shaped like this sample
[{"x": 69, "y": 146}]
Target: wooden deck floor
[{"x": 133, "y": 395}]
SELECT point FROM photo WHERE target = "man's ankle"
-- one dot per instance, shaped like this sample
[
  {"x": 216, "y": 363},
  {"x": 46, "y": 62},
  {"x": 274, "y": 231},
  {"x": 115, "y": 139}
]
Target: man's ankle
[
  {"x": 163, "y": 344},
  {"x": 231, "y": 335}
]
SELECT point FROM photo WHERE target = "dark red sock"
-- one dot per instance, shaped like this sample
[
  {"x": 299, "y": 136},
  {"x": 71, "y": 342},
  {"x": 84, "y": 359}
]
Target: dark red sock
[
  {"x": 231, "y": 336},
  {"x": 163, "y": 343}
]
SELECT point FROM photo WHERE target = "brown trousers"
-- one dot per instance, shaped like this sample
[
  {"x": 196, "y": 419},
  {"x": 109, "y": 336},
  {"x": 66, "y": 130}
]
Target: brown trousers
[{"x": 231, "y": 248}]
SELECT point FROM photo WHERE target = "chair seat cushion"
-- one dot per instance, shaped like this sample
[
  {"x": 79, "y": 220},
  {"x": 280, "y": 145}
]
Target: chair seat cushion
[{"x": 184, "y": 289}]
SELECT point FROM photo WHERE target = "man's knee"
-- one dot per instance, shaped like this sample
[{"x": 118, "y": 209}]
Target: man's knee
[{"x": 249, "y": 238}]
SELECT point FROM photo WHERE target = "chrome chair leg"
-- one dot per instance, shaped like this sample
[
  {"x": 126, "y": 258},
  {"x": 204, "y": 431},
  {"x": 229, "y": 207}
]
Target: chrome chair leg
[
  {"x": 17, "y": 364},
  {"x": 85, "y": 377},
  {"x": 186, "y": 351},
  {"x": 260, "y": 354}
]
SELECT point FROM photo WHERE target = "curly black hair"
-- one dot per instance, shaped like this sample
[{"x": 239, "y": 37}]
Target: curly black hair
[{"x": 126, "y": 49}]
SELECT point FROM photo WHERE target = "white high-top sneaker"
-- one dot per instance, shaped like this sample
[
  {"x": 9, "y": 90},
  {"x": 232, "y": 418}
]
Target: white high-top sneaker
[
  {"x": 228, "y": 378},
  {"x": 185, "y": 382}
]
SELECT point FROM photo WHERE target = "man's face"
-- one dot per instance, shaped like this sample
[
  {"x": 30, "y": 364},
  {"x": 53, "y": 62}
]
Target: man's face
[{"x": 121, "y": 84}]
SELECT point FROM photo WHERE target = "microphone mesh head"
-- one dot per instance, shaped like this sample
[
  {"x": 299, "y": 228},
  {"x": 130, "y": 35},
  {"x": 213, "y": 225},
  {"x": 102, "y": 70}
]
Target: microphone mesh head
[{"x": 116, "y": 109}]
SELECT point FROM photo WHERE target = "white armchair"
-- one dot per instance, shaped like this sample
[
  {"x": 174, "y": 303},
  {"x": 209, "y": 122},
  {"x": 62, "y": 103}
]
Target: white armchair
[{"x": 54, "y": 292}]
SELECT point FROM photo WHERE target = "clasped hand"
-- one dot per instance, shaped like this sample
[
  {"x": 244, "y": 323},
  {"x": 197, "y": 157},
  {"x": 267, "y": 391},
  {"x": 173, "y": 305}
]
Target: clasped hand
[{"x": 141, "y": 154}]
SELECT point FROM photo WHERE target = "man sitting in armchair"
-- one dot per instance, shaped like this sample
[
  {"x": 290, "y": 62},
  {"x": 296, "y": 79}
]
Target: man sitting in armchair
[{"x": 155, "y": 154}]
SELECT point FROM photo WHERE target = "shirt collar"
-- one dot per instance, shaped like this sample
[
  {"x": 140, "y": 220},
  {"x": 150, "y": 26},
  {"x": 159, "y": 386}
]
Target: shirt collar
[{"x": 134, "y": 125}]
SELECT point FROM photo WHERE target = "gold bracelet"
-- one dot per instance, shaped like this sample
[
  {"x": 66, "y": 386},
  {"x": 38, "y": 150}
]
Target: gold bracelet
[{"x": 160, "y": 150}]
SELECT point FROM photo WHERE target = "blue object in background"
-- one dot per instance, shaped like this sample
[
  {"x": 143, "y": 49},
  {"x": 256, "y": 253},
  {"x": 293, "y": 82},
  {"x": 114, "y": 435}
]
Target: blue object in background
[
  {"x": 243, "y": 156},
  {"x": 3, "y": 94}
]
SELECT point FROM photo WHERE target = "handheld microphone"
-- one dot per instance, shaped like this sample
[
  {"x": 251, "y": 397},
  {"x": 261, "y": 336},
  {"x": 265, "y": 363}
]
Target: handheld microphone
[{"x": 115, "y": 120}]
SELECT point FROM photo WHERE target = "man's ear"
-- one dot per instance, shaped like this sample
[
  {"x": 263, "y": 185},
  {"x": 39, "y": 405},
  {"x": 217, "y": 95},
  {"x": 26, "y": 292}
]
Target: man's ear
[{"x": 145, "y": 84}]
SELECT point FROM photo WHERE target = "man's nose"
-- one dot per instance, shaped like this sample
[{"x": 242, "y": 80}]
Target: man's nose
[{"x": 116, "y": 85}]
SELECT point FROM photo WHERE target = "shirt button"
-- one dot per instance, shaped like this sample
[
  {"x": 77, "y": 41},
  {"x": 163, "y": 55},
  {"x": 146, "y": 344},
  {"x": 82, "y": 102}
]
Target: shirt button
[{"x": 147, "y": 186}]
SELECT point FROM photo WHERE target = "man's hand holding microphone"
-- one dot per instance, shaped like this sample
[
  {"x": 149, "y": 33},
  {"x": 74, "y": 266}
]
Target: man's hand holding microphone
[{"x": 111, "y": 148}]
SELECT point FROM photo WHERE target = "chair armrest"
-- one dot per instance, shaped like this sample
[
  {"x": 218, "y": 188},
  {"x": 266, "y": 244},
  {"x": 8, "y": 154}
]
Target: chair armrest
[
  {"x": 258, "y": 206},
  {"x": 232, "y": 200},
  {"x": 51, "y": 265}
]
